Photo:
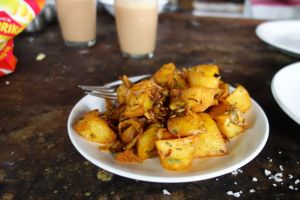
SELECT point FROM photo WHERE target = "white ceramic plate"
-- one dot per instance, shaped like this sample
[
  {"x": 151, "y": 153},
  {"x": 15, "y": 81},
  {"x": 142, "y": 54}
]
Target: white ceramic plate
[
  {"x": 284, "y": 35},
  {"x": 241, "y": 150},
  {"x": 286, "y": 90}
]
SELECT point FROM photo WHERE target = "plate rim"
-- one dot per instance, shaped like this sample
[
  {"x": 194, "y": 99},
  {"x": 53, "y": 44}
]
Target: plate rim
[
  {"x": 278, "y": 100},
  {"x": 258, "y": 30},
  {"x": 174, "y": 179}
]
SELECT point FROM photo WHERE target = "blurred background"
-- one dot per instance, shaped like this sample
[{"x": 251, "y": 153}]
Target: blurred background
[{"x": 255, "y": 9}]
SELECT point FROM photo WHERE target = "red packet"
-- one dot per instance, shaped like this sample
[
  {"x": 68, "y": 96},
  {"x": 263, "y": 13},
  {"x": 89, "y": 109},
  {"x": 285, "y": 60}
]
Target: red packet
[{"x": 15, "y": 15}]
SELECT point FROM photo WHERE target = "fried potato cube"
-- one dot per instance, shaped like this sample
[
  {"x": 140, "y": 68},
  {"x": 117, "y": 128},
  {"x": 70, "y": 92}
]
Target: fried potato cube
[
  {"x": 211, "y": 142},
  {"x": 127, "y": 156},
  {"x": 198, "y": 80},
  {"x": 137, "y": 105},
  {"x": 203, "y": 76},
  {"x": 227, "y": 127},
  {"x": 197, "y": 99},
  {"x": 189, "y": 124},
  {"x": 139, "y": 99},
  {"x": 177, "y": 154},
  {"x": 206, "y": 69},
  {"x": 240, "y": 98},
  {"x": 230, "y": 120},
  {"x": 168, "y": 76},
  {"x": 94, "y": 128},
  {"x": 146, "y": 142},
  {"x": 220, "y": 109}
]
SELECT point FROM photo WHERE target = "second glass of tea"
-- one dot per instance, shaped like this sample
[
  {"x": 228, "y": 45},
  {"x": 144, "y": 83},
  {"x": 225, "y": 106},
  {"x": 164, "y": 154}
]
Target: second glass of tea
[{"x": 136, "y": 22}]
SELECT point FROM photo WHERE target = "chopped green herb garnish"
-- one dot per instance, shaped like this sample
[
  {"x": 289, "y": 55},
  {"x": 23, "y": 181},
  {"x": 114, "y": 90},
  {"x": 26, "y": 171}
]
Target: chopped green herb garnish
[
  {"x": 173, "y": 160},
  {"x": 167, "y": 143}
]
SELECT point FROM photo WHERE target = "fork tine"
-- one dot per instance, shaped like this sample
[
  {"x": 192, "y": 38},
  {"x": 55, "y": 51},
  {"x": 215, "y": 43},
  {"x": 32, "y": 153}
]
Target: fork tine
[
  {"x": 109, "y": 90},
  {"x": 97, "y": 88},
  {"x": 112, "y": 97}
]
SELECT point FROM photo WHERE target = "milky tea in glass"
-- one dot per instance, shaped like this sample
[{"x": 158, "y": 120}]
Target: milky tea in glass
[
  {"x": 136, "y": 22},
  {"x": 77, "y": 19}
]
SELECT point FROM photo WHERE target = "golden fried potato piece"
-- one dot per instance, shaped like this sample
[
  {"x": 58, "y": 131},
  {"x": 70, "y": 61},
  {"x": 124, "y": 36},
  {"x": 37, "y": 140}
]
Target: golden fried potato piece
[
  {"x": 198, "y": 80},
  {"x": 209, "y": 70},
  {"x": 203, "y": 76},
  {"x": 146, "y": 142},
  {"x": 211, "y": 142},
  {"x": 94, "y": 128},
  {"x": 168, "y": 76},
  {"x": 220, "y": 109},
  {"x": 189, "y": 124},
  {"x": 227, "y": 127},
  {"x": 141, "y": 97},
  {"x": 230, "y": 120},
  {"x": 240, "y": 98},
  {"x": 196, "y": 99},
  {"x": 177, "y": 154}
]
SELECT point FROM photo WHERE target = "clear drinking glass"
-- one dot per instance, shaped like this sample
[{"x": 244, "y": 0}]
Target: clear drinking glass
[
  {"x": 136, "y": 22},
  {"x": 77, "y": 19}
]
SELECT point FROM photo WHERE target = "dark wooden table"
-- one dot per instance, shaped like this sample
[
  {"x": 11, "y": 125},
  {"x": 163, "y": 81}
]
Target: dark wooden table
[{"x": 37, "y": 159}]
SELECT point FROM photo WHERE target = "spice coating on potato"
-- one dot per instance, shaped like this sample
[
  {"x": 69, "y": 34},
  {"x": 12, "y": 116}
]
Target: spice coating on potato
[
  {"x": 177, "y": 154},
  {"x": 168, "y": 76},
  {"x": 186, "y": 125},
  {"x": 146, "y": 142},
  {"x": 211, "y": 142},
  {"x": 240, "y": 98},
  {"x": 229, "y": 118},
  {"x": 203, "y": 76},
  {"x": 94, "y": 128}
]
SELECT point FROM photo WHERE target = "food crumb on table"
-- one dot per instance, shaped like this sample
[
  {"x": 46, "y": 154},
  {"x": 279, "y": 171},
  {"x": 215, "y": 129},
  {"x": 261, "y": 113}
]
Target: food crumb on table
[
  {"x": 297, "y": 181},
  {"x": 166, "y": 192},
  {"x": 254, "y": 179},
  {"x": 270, "y": 159},
  {"x": 7, "y": 82},
  {"x": 277, "y": 177},
  {"x": 290, "y": 176},
  {"x": 103, "y": 175},
  {"x": 87, "y": 194},
  {"x": 40, "y": 56},
  {"x": 235, "y": 172},
  {"x": 279, "y": 152},
  {"x": 274, "y": 184},
  {"x": 267, "y": 172},
  {"x": 291, "y": 187},
  {"x": 251, "y": 190},
  {"x": 235, "y": 194},
  {"x": 280, "y": 167}
]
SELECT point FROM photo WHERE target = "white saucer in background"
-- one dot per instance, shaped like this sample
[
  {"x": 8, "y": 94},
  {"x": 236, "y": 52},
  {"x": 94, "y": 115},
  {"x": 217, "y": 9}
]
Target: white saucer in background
[
  {"x": 284, "y": 35},
  {"x": 286, "y": 90}
]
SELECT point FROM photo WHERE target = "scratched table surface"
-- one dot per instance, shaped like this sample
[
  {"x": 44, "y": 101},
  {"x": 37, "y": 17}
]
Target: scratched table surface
[{"x": 37, "y": 159}]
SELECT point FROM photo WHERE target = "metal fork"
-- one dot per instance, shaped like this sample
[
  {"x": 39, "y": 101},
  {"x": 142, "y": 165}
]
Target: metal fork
[{"x": 108, "y": 91}]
